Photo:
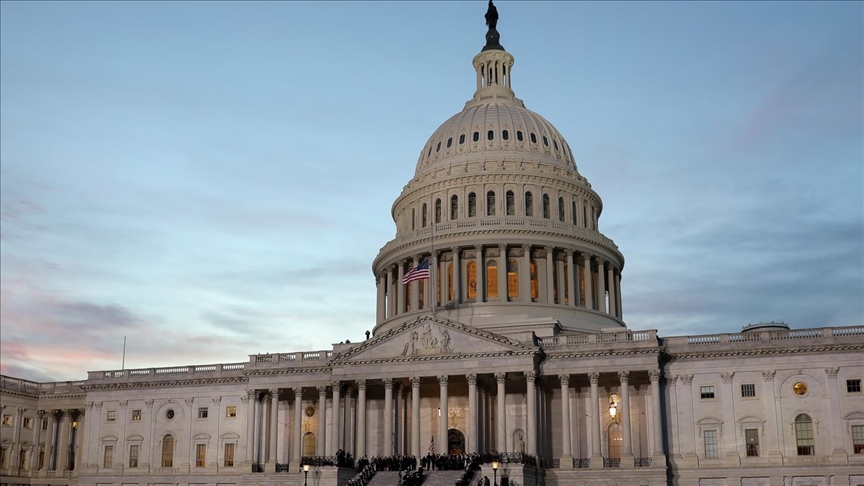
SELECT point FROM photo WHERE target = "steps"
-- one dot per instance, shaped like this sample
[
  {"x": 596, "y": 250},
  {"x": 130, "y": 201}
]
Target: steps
[
  {"x": 442, "y": 478},
  {"x": 385, "y": 478}
]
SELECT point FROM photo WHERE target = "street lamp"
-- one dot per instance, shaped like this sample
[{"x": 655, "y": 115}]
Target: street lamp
[
  {"x": 305, "y": 473},
  {"x": 494, "y": 473}
]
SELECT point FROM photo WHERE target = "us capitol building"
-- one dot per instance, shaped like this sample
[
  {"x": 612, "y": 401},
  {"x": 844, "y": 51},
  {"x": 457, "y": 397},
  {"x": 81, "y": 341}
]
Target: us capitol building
[{"x": 516, "y": 345}]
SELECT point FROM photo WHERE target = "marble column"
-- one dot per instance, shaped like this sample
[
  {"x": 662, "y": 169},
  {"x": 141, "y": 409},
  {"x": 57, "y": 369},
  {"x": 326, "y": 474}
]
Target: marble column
[
  {"x": 274, "y": 426},
  {"x": 618, "y": 294},
  {"x": 415, "y": 416},
  {"x": 434, "y": 279},
  {"x": 601, "y": 286},
  {"x": 586, "y": 275},
  {"x": 445, "y": 288},
  {"x": 550, "y": 275},
  {"x": 566, "y": 445},
  {"x": 481, "y": 273},
  {"x": 388, "y": 417},
  {"x": 626, "y": 431},
  {"x": 52, "y": 435},
  {"x": 400, "y": 288},
  {"x": 531, "y": 419},
  {"x": 361, "y": 418},
  {"x": 37, "y": 431},
  {"x": 335, "y": 445},
  {"x": 613, "y": 296},
  {"x": 562, "y": 295},
  {"x": 501, "y": 430},
  {"x": 457, "y": 279},
  {"x": 322, "y": 421},
  {"x": 298, "y": 429},
  {"x": 415, "y": 288},
  {"x": 596, "y": 455},
  {"x": 63, "y": 430},
  {"x": 572, "y": 290},
  {"x": 391, "y": 297},
  {"x": 503, "y": 292},
  {"x": 472, "y": 413},
  {"x": 443, "y": 426},
  {"x": 525, "y": 274},
  {"x": 657, "y": 420}
]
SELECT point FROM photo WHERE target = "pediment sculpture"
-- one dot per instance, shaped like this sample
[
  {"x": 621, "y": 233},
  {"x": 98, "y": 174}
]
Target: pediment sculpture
[{"x": 428, "y": 343}]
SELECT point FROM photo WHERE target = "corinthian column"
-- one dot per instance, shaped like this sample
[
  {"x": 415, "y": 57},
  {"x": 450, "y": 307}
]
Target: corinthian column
[
  {"x": 379, "y": 309},
  {"x": 457, "y": 278},
  {"x": 415, "y": 416},
  {"x": 415, "y": 288},
  {"x": 322, "y": 420},
  {"x": 627, "y": 449},
  {"x": 442, "y": 420},
  {"x": 550, "y": 275},
  {"x": 572, "y": 290},
  {"x": 400, "y": 288},
  {"x": 481, "y": 274},
  {"x": 596, "y": 456},
  {"x": 334, "y": 425},
  {"x": 525, "y": 274},
  {"x": 659, "y": 457},
  {"x": 472, "y": 412},
  {"x": 274, "y": 426},
  {"x": 298, "y": 427},
  {"x": 391, "y": 298},
  {"x": 566, "y": 454},
  {"x": 500, "y": 433},
  {"x": 586, "y": 274},
  {"x": 531, "y": 427},
  {"x": 601, "y": 286},
  {"x": 613, "y": 296},
  {"x": 388, "y": 416},
  {"x": 361, "y": 418},
  {"x": 503, "y": 291}
]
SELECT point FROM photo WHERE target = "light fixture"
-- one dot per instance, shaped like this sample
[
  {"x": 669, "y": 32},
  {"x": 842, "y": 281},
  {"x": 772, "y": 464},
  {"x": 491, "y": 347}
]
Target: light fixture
[
  {"x": 305, "y": 473},
  {"x": 614, "y": 402},
  {"x": 495, "y": 465},
  {"x": 495, "y": 473}
]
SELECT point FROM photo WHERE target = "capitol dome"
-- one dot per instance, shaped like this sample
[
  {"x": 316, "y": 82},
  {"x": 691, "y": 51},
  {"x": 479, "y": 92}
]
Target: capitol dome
[{"x": 497, "y": 229}]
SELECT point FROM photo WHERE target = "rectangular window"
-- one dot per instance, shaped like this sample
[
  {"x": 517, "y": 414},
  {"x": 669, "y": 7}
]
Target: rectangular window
[
  {"x": 202, "y": 412},
  {"x": 858, "y": 439},
  {"x": 108, "y": 458},
  {"x": 706, "y": 392},
  {"x": 28, "y": 422},
  {"x": 231, "y": 411},
  {"x": 748, "y": 390},
  {"x": 804, "y": 438},
  {"x": 751, "y": 439},
  {"x": 136, "y": 415},
  {"x": 200, "y": 454},
  {"x": 4, "y": 457},
  {"x": 7, "y": 421},
  {"x": 44, "y": 427},
  {"x": 133, "y": 455},
  {"x": 41, "y": 458},
  {"x": 710, "y": 437},
  {"x": 111, "y": 416},
  {"x": 853, "y": 386},
  {"x": 229, "y": 455},
  {"x": 22, "y": 459}
]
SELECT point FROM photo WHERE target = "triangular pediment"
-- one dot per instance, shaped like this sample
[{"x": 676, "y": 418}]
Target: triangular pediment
[{"x": 432, "y": 337}]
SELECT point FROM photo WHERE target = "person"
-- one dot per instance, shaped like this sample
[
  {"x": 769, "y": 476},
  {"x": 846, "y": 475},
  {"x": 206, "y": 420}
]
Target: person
[
  {"x": 485, "y": 480},
  {"x": 367, "y": 335}
]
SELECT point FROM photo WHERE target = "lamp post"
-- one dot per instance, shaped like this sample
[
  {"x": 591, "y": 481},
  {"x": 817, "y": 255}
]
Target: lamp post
[
  {"x": 305, "y": 473},
  {"x": 494, "y": 473}
]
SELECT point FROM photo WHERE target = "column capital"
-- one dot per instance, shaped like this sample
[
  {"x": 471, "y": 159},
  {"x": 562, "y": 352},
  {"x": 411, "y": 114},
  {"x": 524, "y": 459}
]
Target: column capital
[
  {"x": 768, "y": 375},
  {"x": 594, "y": 377},
  {"x": 217, "y": 400},
  {"x": 41, "y": 413},
  {"x": 298, "y": 390},
  {"x": 549, "y": 249},
  {"x": 831, "y": 372},
  {"x": 361, "y": 384},
  {"x": 148, "y": 403},
  {"x": 624, "y": 376},
  {"x": 502, "y": 247},
  {"x": 336, "y": 385},
  {"x": 478, "y": 248},
  {"x": 189, "y": 402},
  {"x": 600, "y": 260},
  {"x": 526, "y": 248},
  {"x": 472, "y": 378},
  {"x": 454, "y": 249},
  {"x": 124, "y": 404},
  {"x": 416, "y": 259},
  {"x": 654, "y": 375},
  {"x": 686, "y": 379},
  {"x": 322, "y": 390},
  {"x": 568, "y": 252},
  {"x": 274, "y": 392},
  {"x": 250, "y": 394},
  {"x": 586, "y": 258},
  {"x": 565, "y": 379},
  {"x": 671, "y": 379},
  {"x": 500, "y": 377},
  {"x": 443, "y": 379},
  {"x": 530, "y": 376},
  {"x": 415, "y": 382},
  {"x": 20, "y": 411},
  {"x": 388, "y": 383},
  {"x": 727, "y": 377}
]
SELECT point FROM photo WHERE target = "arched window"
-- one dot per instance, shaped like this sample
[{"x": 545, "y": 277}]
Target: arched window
[
  {"x": 472, "y": 204},
  {"x": 413, "y": 218},
  {"x": 490, "y": 135},
  {"x": 573, "y": 211},
  {"x": 450, "y": 142},
  {"x": 472, "y": 279},
  {"x": 505, "y": 135},
  {"x": 616, "y": 440},
  {"x": 490, "y": 203},
  {"x": 554, "y": 143},
  {"x": 545, "y": 141},
  {"x": 804, "y": 435},
  {"x": 424, "y": 215},
  {"x": 461, "y": 139},
  {"x": 546, "y": 206},
  {"x": 584, "y": 216},
  {"x": 513, "y": 279},
  {"x": 533, "y": 138},
  {"x": 560, "y": 209},
  {"x": 476, "y": 136},
  {"x": 309, "y": 444},
  {"x": 454, "y": 207},
  {"x": 511, "y": 204},
  {"x": 491, "y": 279},
  {"x": 438, "y": 147},
  {"x": 437, "y": 211},
  {"x": 430, "y": 151},
  {"x": 168, "y": 451},
  {"x": 519, "y": 136},
  {"x": 534, "y": 280},
  {"x": 529, "y": 204}
]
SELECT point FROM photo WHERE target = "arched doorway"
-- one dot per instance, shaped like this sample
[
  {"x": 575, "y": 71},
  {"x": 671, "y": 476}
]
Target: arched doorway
[
  {"x": 616, "y": 440},
  {"x": 455, "y": 442}
]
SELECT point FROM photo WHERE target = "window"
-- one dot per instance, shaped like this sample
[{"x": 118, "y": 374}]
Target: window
[
  {"x": 706, "y": 392},
  {"x": 28, "y": 422},
  {"x": 229, "y": 452},
  {"x": 22, "y": 459},
  {"x": 461, "y": 139},
  {"x": 41, "y": 458},
  {"x": 748, "y": 390},
  {"x": 490, "y": 135},
  {"x": 413, "y": 218},
  {"x": 200, "y": 455},
  {"x": 437, "y": 211},
  {"x": 546, "y": 206},
  {"x": 230, "y": 411},
  {"x": 169, "y": 414},
  {"x": 476, "y": 136},
  {"x": 519, "y": 135},
  {"x": 490, "y": 203},
  {"x": 505, "y": 135},
  {"x": 853, "y": 386},
  {"x": 429, "y": 154},
  {"x": 529, "y": 204},
  {"x": 449, "y": 142},
  {"x": 545, "y": 141},
  {"x": 511, "y": 203},
  {"x": 573, "y": 212},
  {"x": 804, "y": 435},
  {"x": 133, "y": 455},
  {"x": 472, "y": 205},
  {"x": 454, "y": 207},
  {"x": 7, "y": 421},
  {"x": 424, "y": 215},
  {"x": 136, "y": 415},
  {"x": 561, "y": 209},
  {"x": 108, "y": 457},
  {"x": 111, "y": 416},
  {"x": 308, "y": 445},
  {"x": 202, "y": 412},
  {"x": 535, "y": 283},
  {"x": 472, "y": 279},
  {"x": 4, "y": 457},
  {"x": 438, "y": 147},
  {"x": 710, "y": 439},
  {"x": 555, "y": 143},
  {"x": 533, "y": 138},
  {"x": 168, "y": 451},
  {"x": 751, "y": 439},
  {"x": 800, "y": 389},
  {"x": 513, "y": 279},
  {"x": 491, "y": 279},
  {"x": 858, "y": 439}
]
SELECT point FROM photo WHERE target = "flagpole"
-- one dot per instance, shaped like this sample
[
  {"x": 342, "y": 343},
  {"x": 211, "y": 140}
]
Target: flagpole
[{"x": 433, "y": 291}]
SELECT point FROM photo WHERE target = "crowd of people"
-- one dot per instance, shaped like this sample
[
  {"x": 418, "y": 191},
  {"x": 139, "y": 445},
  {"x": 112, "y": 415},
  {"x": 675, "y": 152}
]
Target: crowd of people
[
  {"x": 411, "y": 478},
  {"x": 394, "y": 463},
  {"x": 363, "y": 476}
]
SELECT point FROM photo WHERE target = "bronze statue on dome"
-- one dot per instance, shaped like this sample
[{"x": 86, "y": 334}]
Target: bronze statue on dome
[
  {"x": 492, "y": 35},
  {"x": 492, "y": 16}
]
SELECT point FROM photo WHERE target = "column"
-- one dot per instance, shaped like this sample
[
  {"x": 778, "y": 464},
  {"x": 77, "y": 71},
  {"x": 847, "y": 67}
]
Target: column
[
  {"x": 445, "y": 414},
  {"x": 37, "y": 431},
  {"x": 334, "y": 425},
  {"x": 259, "y": 411},
  {"x": 445, "y": 289},
  {"x": 618, "y": 294},
  {"x": 627, "y": 448},
  {"x": 613, "y": 296},
  {"x": 572, "y": 289},
  {"x": 16, "y": 440},
  {"x": 550, "y": 275},
  {"x": 457, "y": 281},
  {"x": 601, "y": 286},
  {"x": 559, "y": 265},
  {"x": 49, "y": 440},
  {"x": 730, "y": 430},
  {"x": 388, "y": 417},
  {"x": 472, "y": 413},
  {"x": 361, "y": 418},
  {"x": 503, "y": 292},
  {"x": 415, "y": 416},
  {"x": 322, "y": 421},
  {"x": 435, "y": 275},
  {"x": 298, "y": 429},
  {"x": 400, "y": 289},
  {"x": 274, "y": 426},
  {"x": 63, "y": 440},
  {"x": 414, "y": 288},
  {"x": 566, "y": 453},
  {"x": 391, "y": 295},
  {"x": 659, "y": 458},
  {"x": 531, "y": 427},
  {"x": 500, "y": 433},
  {"x": 250, "y": 424},
  {"x": 525, "y": 274},
  {"x": 586, "y": 274},
  {"x": 596, "y": 456},
  {"x": 481, "y": 273},
  {"x": 380, "y": 314}
]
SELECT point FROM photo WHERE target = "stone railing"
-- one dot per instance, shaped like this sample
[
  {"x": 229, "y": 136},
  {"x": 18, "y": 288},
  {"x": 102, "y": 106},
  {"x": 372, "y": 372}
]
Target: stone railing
[
  {"x": 766, "y": 336},
  {"x": 27, "y": 386},
  {"x": 170, "y": 372},
  {"x": 605, "y": 338},
  {"x": 611, "y": 462},
  {"x": 643, "y": 461},
  {"x": 290, "y": 359}
]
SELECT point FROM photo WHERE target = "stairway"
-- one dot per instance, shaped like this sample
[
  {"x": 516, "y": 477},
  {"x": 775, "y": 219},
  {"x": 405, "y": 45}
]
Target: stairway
[
  {"x": 385, "y": 478},
  {"x": 442, "y": 478}
]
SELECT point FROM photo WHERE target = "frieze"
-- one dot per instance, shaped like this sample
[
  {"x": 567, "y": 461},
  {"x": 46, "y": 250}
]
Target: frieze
[
  {"x": 167, "y": 384},
  {"x": 724, "y": 353}
]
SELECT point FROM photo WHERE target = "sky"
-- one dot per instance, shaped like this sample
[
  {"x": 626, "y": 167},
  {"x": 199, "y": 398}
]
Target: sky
[{"x": 212, "y": 180}]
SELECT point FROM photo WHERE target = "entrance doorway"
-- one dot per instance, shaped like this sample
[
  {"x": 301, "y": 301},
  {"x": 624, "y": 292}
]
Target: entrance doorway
[
  {"x": 616, "y": 441},
  {"x": 455, "y": 442}
]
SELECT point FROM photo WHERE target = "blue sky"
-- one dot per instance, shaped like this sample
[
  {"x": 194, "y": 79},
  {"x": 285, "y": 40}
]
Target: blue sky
[{"x": 213, "y": 179}]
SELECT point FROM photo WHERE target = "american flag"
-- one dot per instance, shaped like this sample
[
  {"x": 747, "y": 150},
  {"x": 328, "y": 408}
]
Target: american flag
[
  {"x": 417, "y": 273},
  {"x": 432, "y": 445}
]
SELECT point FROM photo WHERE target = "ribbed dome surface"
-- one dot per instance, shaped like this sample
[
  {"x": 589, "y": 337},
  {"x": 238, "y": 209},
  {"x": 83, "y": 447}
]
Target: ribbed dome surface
[{"x": 496, "y": 129}]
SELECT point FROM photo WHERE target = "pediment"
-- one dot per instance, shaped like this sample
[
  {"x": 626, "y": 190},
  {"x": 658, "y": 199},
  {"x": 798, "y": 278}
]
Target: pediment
[{"x": 430, "y": 337}]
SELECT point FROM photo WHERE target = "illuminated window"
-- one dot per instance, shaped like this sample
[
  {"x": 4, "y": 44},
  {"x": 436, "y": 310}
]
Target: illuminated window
[
  {"x": 200, "y": 455},
  {"x": 491, "y": 279},
  {"x": 546, "y": 206},
  {"x": 511, "y": 203},
  {"x": 454, "y": 207},
  {"x": 490, "y": 203},
  {"x": 560, "y": 209},
  {"x": 748, "y": 390},
  {"x": 136, "y": 415},
  {"x": 308, "y": 444},
  {"x": 133, "y": 455},
  {"x": 230, "y": 411},
  {"x": 529, "y": 204},
  {"x": 437, "y": 211},
  {"x": 472, "y": 279},
  {"x": 706, "y": 392},
  {"x": 513, "y": 279},
  {"x": 799, "y": 388},
  {"x": 203, "y": 412},
  {"x": 168, "y": 451},
  {"x": 472, "y": 205},
  {"x": 229, "y": 455},
  {"x": 535, "y": 282},
  {"x": 751, "y": 439},
  {"x": 858, "y": 439},
  {"x": 4, "y": 457},
  {"x": 710, "y": 439},
  {"x": 450, "y": 281},
  {"x": 804, "y": 435},
  {"x": 108, "y": 456},
  {"x": 424, "y": 215}
]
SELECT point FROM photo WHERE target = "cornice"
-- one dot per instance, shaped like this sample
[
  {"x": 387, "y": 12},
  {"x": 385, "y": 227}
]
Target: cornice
[
  {"x": 553, "y": 355},
  {"x": 760, "y": 351},
  {"x": 439, "y": 357},
  {"x": 288, "y": 371},
  {"x": 126, "y": 385},
  {"x": 16, "y": 393}
]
